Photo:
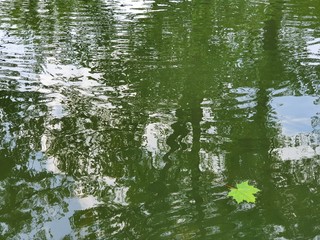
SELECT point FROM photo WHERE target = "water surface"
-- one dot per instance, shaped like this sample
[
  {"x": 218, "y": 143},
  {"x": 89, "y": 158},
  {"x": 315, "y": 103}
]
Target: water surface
[{"x": 127, "y": 119}]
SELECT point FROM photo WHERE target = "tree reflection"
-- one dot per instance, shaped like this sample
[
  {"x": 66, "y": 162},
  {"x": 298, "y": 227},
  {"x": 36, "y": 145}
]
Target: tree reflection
[{"x": 146, "y": 111}]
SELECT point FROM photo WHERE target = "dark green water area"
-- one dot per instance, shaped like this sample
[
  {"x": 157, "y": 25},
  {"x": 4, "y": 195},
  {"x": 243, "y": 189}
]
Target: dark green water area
[{"x": 131, "y": 119}]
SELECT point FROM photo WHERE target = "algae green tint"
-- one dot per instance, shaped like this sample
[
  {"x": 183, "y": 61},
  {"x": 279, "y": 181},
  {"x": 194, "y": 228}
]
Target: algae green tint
[{"x": 125, "y": 119}]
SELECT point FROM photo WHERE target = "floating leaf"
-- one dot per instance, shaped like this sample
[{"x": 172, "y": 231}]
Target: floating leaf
[{"x": 244, "y": 192}]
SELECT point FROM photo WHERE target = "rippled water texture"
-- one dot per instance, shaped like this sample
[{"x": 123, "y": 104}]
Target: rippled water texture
[{"x": 127, "y": 119}]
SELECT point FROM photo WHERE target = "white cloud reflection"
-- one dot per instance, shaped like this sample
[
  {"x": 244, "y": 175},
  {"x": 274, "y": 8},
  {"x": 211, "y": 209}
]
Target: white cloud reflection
[
  {"x": 313, "y": 48},
  {"x": 295, "y": 113},
  {"x": 301, "y": 138}
]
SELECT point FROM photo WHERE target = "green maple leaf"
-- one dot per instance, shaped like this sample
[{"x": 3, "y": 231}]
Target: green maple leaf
[{"x": 244, "y": 192}]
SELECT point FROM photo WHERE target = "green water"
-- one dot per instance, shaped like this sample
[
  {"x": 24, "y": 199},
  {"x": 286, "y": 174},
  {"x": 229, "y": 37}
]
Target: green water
[{"x": 127, "y": 119}]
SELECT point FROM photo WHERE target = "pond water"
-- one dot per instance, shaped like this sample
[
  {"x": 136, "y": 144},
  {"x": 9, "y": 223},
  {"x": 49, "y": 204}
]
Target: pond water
[{"x": 129, "y": 119}]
